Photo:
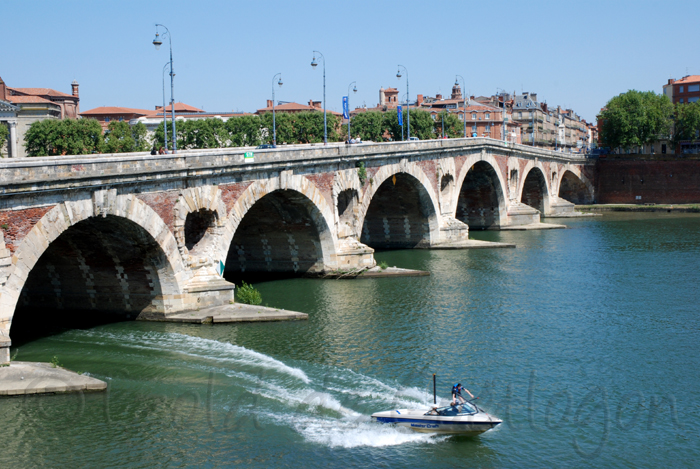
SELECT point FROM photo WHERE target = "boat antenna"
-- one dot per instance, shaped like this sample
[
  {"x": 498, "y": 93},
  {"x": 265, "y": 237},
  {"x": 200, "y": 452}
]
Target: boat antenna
[{"x": 434, "y": 390}]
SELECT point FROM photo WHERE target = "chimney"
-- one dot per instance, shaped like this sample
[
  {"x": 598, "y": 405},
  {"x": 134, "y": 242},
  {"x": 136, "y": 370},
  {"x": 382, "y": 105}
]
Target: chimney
[
  {"x": 269, "y": 103},
  {"x": 74, "y": 86},
  {"x": 382, "y": 97},
  {"x": 419, "y": 99},
  {"x": 438, "y": 97}
]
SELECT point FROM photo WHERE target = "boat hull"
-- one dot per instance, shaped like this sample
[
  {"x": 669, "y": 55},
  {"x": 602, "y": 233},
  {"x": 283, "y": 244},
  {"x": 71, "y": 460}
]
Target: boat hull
[{"x": 472, "y": 425}]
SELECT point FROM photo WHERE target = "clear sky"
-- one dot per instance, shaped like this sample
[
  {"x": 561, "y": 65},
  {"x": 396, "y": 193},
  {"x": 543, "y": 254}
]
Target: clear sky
[{"x": 575, "y": 54}]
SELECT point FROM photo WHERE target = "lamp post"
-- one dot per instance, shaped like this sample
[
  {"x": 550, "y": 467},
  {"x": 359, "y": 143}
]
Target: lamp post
[
  {"x": 354, "y": 90},
  {"x": 313, "y": 64},
  {"x": 157, "y": 42},
  {"x": 464, "y": 90},
  {"x": 274, "y": 127},
  {"x": 165, "y": 121},
  {"x": 408, "y": 102}
]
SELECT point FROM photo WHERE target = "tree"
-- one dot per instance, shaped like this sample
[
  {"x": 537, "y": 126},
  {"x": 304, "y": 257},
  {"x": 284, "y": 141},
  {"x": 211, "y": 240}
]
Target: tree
[
  {"x": 120, "y": 137},
  {"x": 201, "y": 133},
  {"x": 636, "y": 118},
  {"x": 3, "y": 135},
  {"x": 245, "y": 131},
  {"x": 421, "y": 124},
  {"x": 454, "y": 128},
  {"x": 51, "y": 137},
  {"x": 687, "y": 122},
  {"x": 368, "y": 126}
]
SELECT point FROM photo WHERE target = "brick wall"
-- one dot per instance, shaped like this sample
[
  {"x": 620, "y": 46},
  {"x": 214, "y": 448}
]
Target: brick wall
[{"x": 670, "y": 181}]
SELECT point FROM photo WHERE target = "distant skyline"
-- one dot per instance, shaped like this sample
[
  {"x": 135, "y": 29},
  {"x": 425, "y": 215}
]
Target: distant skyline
[{"x": 225, "y": 53}]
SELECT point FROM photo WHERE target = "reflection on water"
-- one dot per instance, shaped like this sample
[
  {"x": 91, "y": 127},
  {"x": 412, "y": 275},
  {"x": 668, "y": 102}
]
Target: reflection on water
[{"x": 583, "y": 340}]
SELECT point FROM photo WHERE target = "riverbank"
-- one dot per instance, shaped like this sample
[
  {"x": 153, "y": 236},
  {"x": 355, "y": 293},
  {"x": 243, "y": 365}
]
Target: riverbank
[{"x": 669, "y": 208}]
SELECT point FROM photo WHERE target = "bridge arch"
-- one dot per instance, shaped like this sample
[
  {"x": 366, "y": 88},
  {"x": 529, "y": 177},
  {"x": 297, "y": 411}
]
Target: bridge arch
[
  {"x": 535, "y": 188},
  {"x": 109, "y": 254},
  {"x": 575, "y": 187},
  {"x": 399, "y": 208},
  {"x": 481, "y": 198},
  {"x": 281, "y": 224}
]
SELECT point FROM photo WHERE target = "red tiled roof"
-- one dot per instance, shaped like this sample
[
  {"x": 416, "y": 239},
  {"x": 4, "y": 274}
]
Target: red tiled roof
[
  {"x": 39, "y": 92},
  {"x": 28, "y": 99},
  {"x": 105, "y": 110},
  {"x": 293, "y": 107},
  {"x": 182, "y": 107},
  {"x": 688, "y": 79}
]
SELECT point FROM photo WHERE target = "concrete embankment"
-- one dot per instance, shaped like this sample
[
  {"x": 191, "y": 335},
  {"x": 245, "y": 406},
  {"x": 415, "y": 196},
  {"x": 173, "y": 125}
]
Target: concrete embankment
[
  {"x": 668, "y": 208},
  {"x": 23, "y": 378},
  {"x": 236, "y": 312}
]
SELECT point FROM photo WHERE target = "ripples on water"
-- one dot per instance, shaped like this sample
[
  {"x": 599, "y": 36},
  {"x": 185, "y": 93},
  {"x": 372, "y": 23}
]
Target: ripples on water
[{"x": 573, "y": 338}]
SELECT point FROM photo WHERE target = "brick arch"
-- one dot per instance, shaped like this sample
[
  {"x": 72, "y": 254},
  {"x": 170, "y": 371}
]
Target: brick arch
[
  {"x": 501, "y": 189},
  {"x": 320, "y": 211},
  {"x": 66, "y": 215},
  {"x": 546, "y": 193},
  {"x": 576, "y": 171},
  {"x": 423, "y": 183},
  {"x": 192, "y": 200}
]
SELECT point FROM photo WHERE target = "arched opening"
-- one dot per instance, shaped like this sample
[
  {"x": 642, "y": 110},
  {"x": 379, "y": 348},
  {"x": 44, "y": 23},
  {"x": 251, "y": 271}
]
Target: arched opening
[
  {"x": 99, "y": 270},
  {"x": 399, "y": 215},
  {"x": 347, "y": 201},
  {"x": 535, "y": 190},
  {"x": 574, "y": 189},
  {"x": 480, "y": 198},
  {"x": 282, "y": 233},
  {"x": 197, "y": 224}
]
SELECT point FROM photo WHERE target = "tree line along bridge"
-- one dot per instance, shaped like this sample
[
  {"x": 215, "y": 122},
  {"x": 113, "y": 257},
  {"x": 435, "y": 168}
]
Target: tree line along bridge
[{"x": 149, "y": 236}]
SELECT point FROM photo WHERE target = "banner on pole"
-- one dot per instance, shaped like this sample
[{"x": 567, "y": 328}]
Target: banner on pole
[
  {"x": 399, "y": 111},
  {"x": 346, "y": 111}
]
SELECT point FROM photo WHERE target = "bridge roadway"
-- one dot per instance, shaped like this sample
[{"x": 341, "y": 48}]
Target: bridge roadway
[{"x": 136, "y": 234}]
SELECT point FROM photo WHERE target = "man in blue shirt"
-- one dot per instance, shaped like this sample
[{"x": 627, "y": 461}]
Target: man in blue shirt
[{"x": 457, "y": 394}]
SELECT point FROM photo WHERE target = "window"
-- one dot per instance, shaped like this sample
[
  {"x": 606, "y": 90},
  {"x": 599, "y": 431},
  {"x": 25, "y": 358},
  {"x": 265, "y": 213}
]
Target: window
[
  {"x": 474, "y": 116},
  {"x": 488, "y": 116},
  {"x": 530, "y": 116},
  {"x": 434, "y": 116},
  {"x": 461, "y": 117},
  {"x": 106, "y": 119},
  {"x": 121, "y": 119},
  {"x": 693, "y": 88},
  {"x": 692, "y": 100},
  {"x": 520, "y": 115},
  {"x": 488, "y": 128},
  {"x": 681, "y": 90},
  {"x": 680, "y": 100}
]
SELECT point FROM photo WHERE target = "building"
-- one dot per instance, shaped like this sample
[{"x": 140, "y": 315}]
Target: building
[
  {"x": 106, "y": 114},
  {"x": 35, "y": 104},
  {"x": 8, "y": 118},
  {"x": 296, "y": 107},
  {"x": 685, "y": 90}
]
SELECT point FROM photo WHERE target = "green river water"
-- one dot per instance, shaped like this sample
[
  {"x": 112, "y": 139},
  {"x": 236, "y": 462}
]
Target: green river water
[{"x": 584, "y": 341}]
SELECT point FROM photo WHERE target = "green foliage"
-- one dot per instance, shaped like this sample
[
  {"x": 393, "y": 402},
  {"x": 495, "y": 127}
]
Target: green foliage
[
  {"x": 368, "y": 126},
  {"x": 687, "y": 122},
  {"x": 301, "y": 127},
  {"x": 54, "y": 362},
  {"x": 454, "y": 128},
  {"x": 202, "y": 133},
  {"x": 118, "y": 138},
  {"x": 14, "y": 355},
  {"x": 245, "y": 131},
  {"x": 247, "y": 294},
  {"x": 383, "y": 265},
  {"x": 140, "y": 134},
  {"x": 361, "y": 172},
  {"x": 51, "y": 137},
  {"x": 4, "y": 132},
  {"x": 421, "y": 124},
  {"x": 636, "y": 118}
]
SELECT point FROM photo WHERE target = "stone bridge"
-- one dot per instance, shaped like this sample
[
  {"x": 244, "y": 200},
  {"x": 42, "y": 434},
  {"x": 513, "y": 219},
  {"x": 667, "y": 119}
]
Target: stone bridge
[{"x": 149, "y": 236}]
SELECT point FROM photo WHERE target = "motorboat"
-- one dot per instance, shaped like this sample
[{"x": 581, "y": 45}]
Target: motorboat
[{"x": 460, "y": 419}]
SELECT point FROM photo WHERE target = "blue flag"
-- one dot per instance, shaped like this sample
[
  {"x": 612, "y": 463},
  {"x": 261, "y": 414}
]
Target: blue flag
[
  {"x": 346, "y": 111},
  {"x": 398, "y": 109}
]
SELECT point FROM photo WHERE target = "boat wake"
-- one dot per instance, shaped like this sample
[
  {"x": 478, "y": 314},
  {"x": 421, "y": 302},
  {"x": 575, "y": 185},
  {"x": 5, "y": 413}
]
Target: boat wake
[{"x": 326, "y": 405}]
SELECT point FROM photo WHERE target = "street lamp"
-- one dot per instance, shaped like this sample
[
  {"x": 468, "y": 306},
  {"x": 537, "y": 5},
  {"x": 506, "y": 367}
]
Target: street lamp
[
  {"x": 354, "y": 90},
  {"x": 464, "y": 90},
  {"x": 408, "y": 103},
  {"x": 274, "y": 128},
  {"x": 165, "y": 120},
  {"x": 157, "y": 42},
  {"x": 313, "y": 64}
]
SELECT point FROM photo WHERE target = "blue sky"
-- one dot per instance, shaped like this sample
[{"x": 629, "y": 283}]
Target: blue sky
[{"x": 575, "y": 54}]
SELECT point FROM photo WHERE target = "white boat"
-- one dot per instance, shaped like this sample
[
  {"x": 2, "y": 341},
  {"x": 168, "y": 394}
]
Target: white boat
[{"x": 460, "y": 419}]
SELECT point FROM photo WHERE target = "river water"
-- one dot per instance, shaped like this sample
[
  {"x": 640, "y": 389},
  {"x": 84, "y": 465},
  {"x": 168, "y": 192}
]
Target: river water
[{"x": 585, "y": 341}]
